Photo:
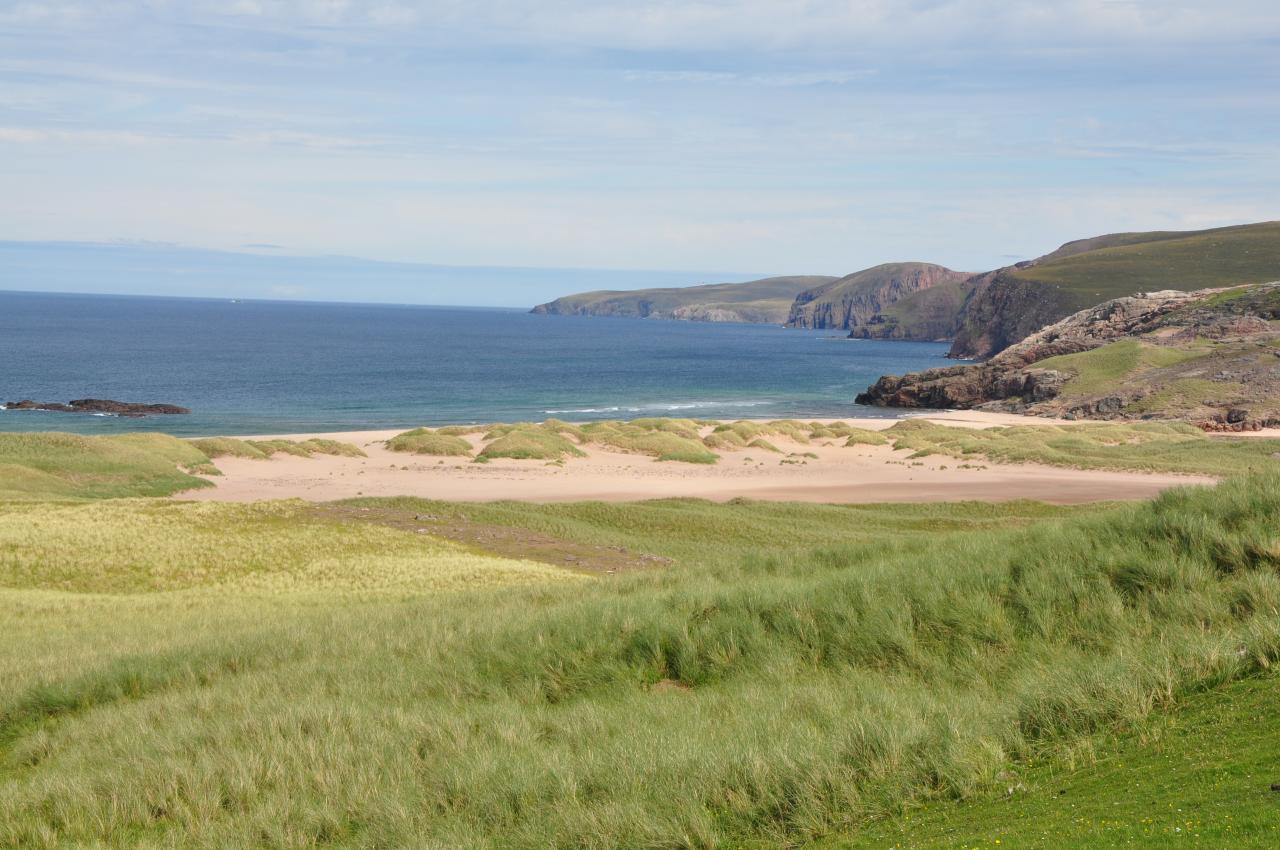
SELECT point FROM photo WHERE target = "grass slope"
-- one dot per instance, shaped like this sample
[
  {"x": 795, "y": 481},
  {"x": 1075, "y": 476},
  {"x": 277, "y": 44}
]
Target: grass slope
[
  {"x": 1199, "y": 776},
  {"x": 1102, "y": 369},
  {"x": 801, "y": 690},
  {"x": 215, "y": 447},
  {"x": 131, "y": 547},
  {"x": 767, "y": 300},
  {"x": 1093, "y": 271},
  {"x": 424, "y": 441},
  {"x": 1142, "y": 446},
  {"x": 56, "y": 465}
]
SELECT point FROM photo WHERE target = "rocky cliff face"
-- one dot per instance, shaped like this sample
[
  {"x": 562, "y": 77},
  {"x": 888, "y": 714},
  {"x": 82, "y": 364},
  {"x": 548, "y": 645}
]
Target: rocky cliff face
[
  {"x": 860, "y": 299},
  {"x": 931, "y": 314},
  {"x": 1003, "y": 310},
  {"x": 1211, "y": 357}
]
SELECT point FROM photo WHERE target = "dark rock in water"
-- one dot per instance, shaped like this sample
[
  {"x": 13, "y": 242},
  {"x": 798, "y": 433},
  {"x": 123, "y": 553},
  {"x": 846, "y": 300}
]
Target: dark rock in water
[{"x": 97, "y": 405}]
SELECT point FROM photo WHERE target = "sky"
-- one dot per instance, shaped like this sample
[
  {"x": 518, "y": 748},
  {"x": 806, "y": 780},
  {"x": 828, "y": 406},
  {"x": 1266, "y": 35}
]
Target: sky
[{"x": 706, "y": 138}]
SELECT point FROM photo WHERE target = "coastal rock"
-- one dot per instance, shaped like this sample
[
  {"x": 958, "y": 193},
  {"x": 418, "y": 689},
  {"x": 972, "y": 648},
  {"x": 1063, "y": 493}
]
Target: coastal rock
[
  {"x": 857, "y": 302},
  {"x": 98, "y": 405},
  {"x": 1199, "y": 356}
]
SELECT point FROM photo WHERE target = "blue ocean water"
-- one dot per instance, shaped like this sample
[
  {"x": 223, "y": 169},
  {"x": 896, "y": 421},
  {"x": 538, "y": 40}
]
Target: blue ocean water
[{"x": 277, "y": 367}]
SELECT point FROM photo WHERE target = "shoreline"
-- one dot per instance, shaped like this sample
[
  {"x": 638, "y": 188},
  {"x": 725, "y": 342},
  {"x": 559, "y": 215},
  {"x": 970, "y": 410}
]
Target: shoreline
[
  {"x": 823, "y": 472},
  {"x": 961, "y": 418}
]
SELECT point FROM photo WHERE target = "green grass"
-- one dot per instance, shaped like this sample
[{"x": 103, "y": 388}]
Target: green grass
[
  {"x": 822, "y": 683},
  {"x": 1183, "y": 394},
  {"x": 1143, "y": 446},
  {"x": 663, "y": 439},
  {"x": 424, "y": 441},
  {"x": 1099, "y": 369},
  {"x": 1198, "y": 776},
  {"x": 864, "y": 437},
  {"x": 215, "y": 447},
  {"x": 531, "y": 443},
  {"x": 1129, "y": 263},
  {"x": 54, "y": 465},
  {"x": 131, "y": 546}
]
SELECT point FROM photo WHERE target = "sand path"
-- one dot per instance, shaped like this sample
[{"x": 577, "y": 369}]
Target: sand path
[{"x": 849, "y": 475}]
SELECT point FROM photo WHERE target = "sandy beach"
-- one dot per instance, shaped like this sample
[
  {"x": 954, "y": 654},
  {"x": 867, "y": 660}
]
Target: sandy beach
[{"x": 837, "y": 474}]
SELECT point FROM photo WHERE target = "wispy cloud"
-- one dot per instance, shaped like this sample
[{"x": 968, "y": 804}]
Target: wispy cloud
[{"x": 771, "y": 134}]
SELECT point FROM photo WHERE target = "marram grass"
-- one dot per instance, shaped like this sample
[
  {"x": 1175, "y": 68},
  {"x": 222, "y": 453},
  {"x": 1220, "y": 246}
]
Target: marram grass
[
  {"x": 1141, "y": 446},
  {"x": 814, "y": 689},
  {"x": 215, "y": 447},
  {"x": 132, "y": 546},
  {"x": 58, "y": 465},
  {"x": 424, "y": 441}
]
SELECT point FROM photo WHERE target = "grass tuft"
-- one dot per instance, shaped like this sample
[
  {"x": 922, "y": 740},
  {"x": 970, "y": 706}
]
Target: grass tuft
[
  {"x": 1142, "y": 446},
  {"x": 424, "y": 441}
]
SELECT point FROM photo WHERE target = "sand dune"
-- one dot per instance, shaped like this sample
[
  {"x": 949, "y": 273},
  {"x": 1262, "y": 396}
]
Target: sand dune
[{"x": 837, "y": 474}]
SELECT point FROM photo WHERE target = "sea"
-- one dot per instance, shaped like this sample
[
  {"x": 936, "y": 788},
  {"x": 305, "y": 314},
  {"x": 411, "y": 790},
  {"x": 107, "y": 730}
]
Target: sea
[{"x": 268, "y": 367}]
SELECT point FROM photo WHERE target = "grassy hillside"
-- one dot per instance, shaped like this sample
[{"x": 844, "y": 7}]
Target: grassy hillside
[
  {"x": 57, "y": 465},
  {"x": 1143, "y": 446},
  {"x": 1011, "y": 304},
  {"x": 768, "y": 686},
  {"x": 1123, "y": 264},
  {"x": 767, "y": 301},
  {"x": 1198, "y": 776}
]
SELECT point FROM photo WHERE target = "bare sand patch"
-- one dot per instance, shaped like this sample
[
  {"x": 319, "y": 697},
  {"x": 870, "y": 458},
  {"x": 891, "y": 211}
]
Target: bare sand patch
[{"x": 833, "y": 473}]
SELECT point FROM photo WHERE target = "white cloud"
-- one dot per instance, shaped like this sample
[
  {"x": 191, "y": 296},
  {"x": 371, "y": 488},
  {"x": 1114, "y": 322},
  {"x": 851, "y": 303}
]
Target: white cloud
[{"x": 765, "y": 25}]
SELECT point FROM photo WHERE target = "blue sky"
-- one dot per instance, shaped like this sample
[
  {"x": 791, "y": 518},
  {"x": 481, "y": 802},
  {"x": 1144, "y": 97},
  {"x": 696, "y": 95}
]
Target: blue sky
[{"x": 753, "y": 136}]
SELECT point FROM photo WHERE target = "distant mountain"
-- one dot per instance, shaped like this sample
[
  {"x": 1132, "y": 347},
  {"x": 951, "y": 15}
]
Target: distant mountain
[
  {"x": 764, "y": 301},
  {"x": 982, "y": 313},
  {"x": 889, "y": 301},
  {"x": 1010, "y": 304}
]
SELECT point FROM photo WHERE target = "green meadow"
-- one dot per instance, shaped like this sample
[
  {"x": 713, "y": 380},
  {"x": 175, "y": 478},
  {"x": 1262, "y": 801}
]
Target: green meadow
[
  {"x": 1094, "y": 270},
  {"x": 289, "y": 675}
]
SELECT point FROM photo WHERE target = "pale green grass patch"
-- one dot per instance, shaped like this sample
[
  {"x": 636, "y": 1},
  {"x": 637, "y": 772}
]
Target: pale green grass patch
[
  {"x": 70, "y": 465},
  {"x": 1098, "y": 369},
  {"x": 131, "y": 546},
  {"x": 1143, "y": 446},
  {"x": 424, "y": 441},
  {"x": 530, "y": 443}
]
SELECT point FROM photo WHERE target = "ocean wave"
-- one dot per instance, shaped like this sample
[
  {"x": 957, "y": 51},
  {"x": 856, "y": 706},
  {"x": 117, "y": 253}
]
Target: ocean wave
[{"x": 659, "y": 406}]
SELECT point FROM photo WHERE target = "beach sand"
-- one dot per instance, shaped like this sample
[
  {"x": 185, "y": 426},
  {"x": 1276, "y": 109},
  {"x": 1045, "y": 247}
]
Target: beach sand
[{"x": 861, "y": 474}]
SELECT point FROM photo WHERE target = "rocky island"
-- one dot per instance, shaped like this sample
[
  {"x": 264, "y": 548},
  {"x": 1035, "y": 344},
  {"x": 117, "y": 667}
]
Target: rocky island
[{"x": 98, "y": 405}]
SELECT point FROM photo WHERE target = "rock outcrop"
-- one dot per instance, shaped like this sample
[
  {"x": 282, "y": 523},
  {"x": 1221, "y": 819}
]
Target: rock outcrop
[
  {"x": 1211, "y": 357},
  {"x": 858, "y": 302},
  {"x": 98, "y": 405},
  {"x": 1009, "y": 304}
]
